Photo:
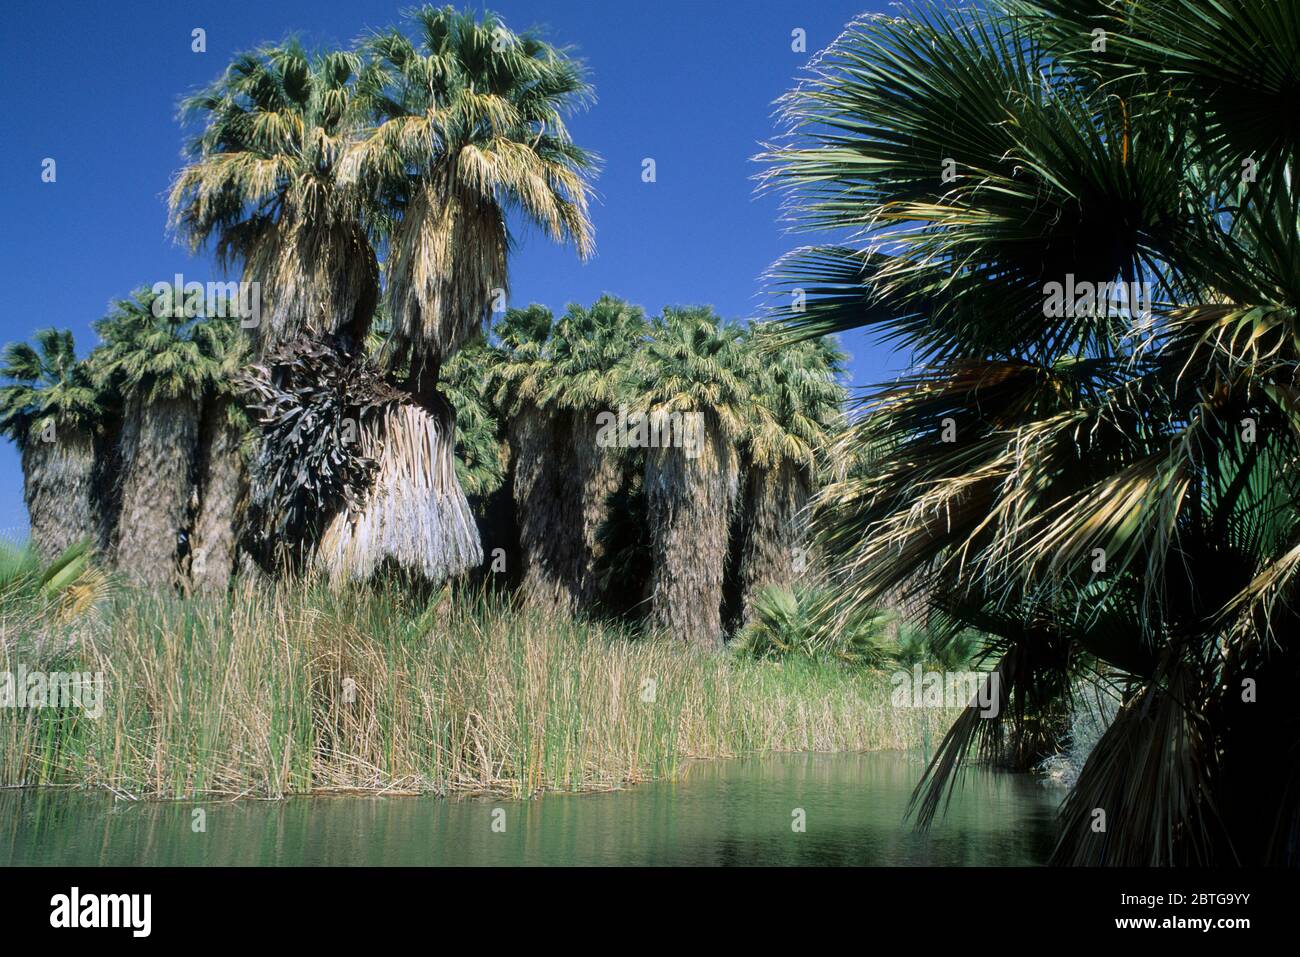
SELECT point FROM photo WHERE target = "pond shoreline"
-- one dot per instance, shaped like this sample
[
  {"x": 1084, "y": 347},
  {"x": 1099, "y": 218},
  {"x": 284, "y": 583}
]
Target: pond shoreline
[{"x": 811, "y": 808}]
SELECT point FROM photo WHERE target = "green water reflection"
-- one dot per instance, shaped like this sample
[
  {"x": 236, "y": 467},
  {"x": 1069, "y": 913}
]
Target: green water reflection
[{"x": 724, "y": 812}]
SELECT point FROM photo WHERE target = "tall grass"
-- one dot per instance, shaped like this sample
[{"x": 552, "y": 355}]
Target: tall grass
[{"x": 296, "y": 689}]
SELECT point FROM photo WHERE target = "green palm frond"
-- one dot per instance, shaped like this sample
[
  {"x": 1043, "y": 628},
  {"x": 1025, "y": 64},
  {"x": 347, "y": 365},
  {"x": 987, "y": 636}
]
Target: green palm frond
[
  {"x": 1084, "y": 485},
  {"x": 464, "y": 381},
  {"x": 47, "y": 383},
  {"x": 159, "y": 353},
  {"x": 465, "y": 124},
  {"x": 799, "y": 395},
  {"x": 695, "y": 363}
]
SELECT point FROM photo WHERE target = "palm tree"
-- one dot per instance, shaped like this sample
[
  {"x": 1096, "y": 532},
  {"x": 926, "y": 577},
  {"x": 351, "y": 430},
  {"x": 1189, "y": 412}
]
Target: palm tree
[
  {"x": 691, "y": 381},
  {"x": 547, "y": 517},
  {"x": 467, "y": 125},
  {"x": 51, "y": 408},
  {"x": 559, "y": 379},
  {"x": 262, "y": 184},
  {"x": 799, "y": 409},
  {"x": 591, "y": 354},
  {"x": 1099, "y": 489},
  {"x": 554, "y": 380},
  {"x": 154, "y": 360}
]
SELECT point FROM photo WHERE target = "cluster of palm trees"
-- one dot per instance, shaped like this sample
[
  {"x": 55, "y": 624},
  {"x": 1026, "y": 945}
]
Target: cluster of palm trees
[
  {"x": 306, "y": 171},
  {"x": 684, "y": 529},
  {"x": 339, "y": 432},
  {"x": 154, "y": 445},
  {"x": 1105, "y": 491},
  {"x": 135, "y": 449},
  {"x": 1108, "y": 489}
]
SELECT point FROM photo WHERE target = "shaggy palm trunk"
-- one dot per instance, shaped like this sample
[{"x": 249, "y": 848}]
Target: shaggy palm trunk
[
  {"x": 106, "y": 490},
  {"x": 549, "y": 514},
  {"x": 159, "y": 441},
  {"x": 222, "y": 478},
  {"x": 416, "y": 514},
  {"x": 776, "y": 523},
  {"x": 597, "y": 475},
  {"x": 689, "y": 501},
  {"x": 58, "y": 477}
]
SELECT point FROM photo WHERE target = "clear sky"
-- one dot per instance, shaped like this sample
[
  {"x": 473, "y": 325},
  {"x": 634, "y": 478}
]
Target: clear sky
[{"x": 689, "y": 83}]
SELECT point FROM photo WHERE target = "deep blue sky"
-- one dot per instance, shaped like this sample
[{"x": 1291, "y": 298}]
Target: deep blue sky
[{"x": 95, "y": 85}]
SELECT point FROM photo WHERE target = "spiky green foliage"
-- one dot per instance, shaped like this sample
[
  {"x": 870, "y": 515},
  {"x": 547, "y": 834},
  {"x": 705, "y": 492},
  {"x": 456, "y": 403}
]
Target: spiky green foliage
[
  {"x": 920, "y": 643},
  {"x": 590, "y": 351},
  {"x": 793, "y": 621},
  {"x": 467, "y": 125},
  {"x": 1085, "y": 485},
  {"x": 261, "y": 184},
  {"x": 800, "y": 401},
  {"x": 694, "y": 362},
  {"x": 479, "y": 465},
  {"x": 63, "y": 588},
  {"x": 46, "y": 383},
  {"x": 156, "y": 353},
  {"x": 517, "y": 376}
]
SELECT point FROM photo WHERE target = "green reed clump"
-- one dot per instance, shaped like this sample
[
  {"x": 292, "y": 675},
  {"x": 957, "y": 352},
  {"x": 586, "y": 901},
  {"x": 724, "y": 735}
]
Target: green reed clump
[{"x": 277, "y": 691}]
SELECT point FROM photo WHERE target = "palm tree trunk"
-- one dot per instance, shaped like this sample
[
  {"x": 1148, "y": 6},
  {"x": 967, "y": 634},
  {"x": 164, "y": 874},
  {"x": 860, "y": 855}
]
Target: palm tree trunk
[
  {"x": 223, "y": 480},
  {"x": 58, "y": 479},
  {"x": 159, "y": 441},
  {"x": 416, "y": 514},
  {"x": 690, "y": 502},
  {"x": 549, "y": 514},
  {"x": 776, "y": 525},
  {"x": 562, "y": 482},
  {"x": 106, "y": 487},
  {"x": 597, "y": 476}
]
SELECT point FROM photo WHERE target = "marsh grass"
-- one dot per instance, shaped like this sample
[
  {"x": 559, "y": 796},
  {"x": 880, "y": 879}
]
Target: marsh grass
[{"x": 273, "y": 692}]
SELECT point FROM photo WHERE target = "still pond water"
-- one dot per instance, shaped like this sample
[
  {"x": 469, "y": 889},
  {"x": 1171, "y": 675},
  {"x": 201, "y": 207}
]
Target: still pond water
[{"x": 720, "y": 812}]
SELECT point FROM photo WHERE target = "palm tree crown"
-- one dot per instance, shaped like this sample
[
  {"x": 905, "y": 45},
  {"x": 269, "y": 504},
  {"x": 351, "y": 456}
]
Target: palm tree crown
[
  {"x": 262, "y": 182},
  {"x": 468, "y": 124},
  {"x": 162, "y": 356},
  {"x": 1110, "y": 479},
  {"x": 693, "y": 362},
  {"x": 800, "y": 401},
  {"x": 47, "y": 383}
]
